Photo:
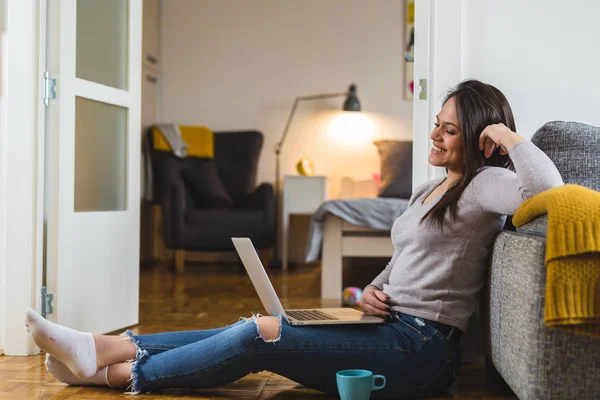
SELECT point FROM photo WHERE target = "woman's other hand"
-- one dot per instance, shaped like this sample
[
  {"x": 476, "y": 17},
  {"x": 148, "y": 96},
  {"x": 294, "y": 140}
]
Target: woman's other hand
[
  {"x": 498, "y": 135},
  {"x": 375, "y": 302}
]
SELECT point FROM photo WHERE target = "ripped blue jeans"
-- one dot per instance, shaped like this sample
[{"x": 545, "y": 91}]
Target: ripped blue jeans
[{"x": 416, "y": 359}]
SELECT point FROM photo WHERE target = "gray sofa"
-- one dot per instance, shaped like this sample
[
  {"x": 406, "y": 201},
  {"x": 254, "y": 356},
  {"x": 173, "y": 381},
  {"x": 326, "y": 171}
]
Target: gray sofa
[{"x": 535, "y": 361}]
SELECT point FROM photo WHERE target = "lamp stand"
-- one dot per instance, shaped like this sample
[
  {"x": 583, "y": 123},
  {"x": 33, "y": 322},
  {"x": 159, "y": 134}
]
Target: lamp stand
[
  {"x": 276, "y": 262},
  {"x": 276, "y": 259}
]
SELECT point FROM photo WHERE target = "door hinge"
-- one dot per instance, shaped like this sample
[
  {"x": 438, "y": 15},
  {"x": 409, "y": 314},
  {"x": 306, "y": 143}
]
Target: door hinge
[
  {"x": 49, "y": 88},
  {"x": 46, "y": 302},
  {"x": 422, "y": 89}
]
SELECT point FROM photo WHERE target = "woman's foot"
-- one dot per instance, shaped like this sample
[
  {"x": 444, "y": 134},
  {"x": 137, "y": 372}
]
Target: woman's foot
[
  {"x": 76, "y": 350},
  {"x": 117, "y": 376},
  {"x": 60, "y": 371}
]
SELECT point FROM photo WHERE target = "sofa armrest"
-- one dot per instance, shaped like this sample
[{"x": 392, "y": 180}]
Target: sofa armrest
[
  {"x": 173, "y": 206},
  {"x": 537, "y": 227},
  {"x": 515, "y": 307},
  {"x": 534, "y": 360},
  {"x": 261, "y": 198}
]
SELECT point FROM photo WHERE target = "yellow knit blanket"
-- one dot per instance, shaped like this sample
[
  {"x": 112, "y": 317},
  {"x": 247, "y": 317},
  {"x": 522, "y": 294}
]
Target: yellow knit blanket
[{"x": 572, "y": 256}]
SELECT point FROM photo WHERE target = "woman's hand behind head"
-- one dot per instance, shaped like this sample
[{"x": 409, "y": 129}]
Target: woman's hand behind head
[{"x": 498, "y": 135}]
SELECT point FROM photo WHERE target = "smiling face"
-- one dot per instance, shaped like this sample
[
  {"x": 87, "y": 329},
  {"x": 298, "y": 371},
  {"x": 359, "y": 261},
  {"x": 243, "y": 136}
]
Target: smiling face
[{"x": 447, "y": 139}]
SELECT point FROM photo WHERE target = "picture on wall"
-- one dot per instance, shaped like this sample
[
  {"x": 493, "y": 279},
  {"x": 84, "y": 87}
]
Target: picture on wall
[{"x": 409, "y": 48}]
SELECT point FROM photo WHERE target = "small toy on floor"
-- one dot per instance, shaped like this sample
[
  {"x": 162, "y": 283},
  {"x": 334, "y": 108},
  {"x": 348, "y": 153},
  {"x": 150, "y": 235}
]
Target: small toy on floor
[{"x": 351, "y": 296}]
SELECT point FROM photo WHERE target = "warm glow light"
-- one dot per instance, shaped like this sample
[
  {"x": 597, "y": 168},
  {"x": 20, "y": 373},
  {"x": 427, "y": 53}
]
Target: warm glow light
[{"x": 351, "y": 129}]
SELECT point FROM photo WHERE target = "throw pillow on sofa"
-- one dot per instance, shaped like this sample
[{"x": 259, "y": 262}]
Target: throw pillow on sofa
[
  {"x": 396, "y": 168},
  {"x": 206, "y": 186}
]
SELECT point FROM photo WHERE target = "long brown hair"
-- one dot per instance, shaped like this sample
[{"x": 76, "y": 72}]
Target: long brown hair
[{"x": 477, "y": 105}]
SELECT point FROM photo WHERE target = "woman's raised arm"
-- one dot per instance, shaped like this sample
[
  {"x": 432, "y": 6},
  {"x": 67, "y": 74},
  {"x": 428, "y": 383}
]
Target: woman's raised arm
[{"x": 502, "y": 191}]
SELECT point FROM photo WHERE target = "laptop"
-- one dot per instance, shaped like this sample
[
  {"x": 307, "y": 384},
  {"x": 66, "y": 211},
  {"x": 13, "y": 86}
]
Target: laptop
[{"x": 269, "y": 299}]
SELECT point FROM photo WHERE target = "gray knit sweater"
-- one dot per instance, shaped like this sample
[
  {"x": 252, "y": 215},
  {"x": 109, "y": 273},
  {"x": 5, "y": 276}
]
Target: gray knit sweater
[{"x": 438, "y": 275}]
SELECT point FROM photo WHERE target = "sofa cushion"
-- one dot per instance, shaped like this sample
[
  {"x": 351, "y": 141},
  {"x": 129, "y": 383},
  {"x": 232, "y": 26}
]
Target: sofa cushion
[
  {"x": 219, "y": 217},
  {"x": 396, "y": 168},
  {"x": 205, "y": 185}
]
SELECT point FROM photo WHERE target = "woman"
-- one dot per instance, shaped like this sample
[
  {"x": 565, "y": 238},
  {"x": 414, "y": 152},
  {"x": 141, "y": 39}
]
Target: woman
[{"x": 426, "y": 293}]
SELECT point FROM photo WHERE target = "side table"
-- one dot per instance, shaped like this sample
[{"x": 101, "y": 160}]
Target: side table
[{"x": 301, "y": 195}]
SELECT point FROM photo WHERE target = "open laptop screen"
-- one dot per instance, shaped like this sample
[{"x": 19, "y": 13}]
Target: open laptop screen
[{"x": 259, "y": 277}]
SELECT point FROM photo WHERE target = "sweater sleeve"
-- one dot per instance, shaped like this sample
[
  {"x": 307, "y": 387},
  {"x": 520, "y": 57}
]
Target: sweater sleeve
[{"x": 502, "y": 191}]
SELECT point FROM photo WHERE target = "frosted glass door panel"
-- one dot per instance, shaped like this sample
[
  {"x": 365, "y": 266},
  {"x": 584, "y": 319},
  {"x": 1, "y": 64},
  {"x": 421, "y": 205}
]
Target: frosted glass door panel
[
  {"x": 102, "y": 42},
  {"x": 100, "y": 156}
]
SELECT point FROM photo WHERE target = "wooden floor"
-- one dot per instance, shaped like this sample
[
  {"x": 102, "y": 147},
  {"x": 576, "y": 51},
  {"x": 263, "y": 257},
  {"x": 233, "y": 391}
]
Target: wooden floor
[{"x": 208, "y": 297}]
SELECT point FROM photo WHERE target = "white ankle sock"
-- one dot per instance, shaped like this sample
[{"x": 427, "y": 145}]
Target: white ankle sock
[
  {"x": 76, "y": 350},
  {"x": 64, "y": 374}
]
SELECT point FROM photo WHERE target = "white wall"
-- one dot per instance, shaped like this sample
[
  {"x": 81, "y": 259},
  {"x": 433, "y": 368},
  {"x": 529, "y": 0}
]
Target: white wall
[
  {"x": 239, "y": 64},
  {"x": 543, "y": 54}
]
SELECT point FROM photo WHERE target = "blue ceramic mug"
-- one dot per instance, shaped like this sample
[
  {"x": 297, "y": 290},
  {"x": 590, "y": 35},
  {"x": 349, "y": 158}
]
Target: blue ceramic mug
[{"x": 357, "y": 384}]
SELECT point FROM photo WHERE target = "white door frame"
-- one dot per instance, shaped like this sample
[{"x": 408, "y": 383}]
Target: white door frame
[
  {"x": 439, "y": 58},
  {"x": 97, "y": 249},
  {"x": 22, "y": 168},
  {"x": 21, "y": 223}
]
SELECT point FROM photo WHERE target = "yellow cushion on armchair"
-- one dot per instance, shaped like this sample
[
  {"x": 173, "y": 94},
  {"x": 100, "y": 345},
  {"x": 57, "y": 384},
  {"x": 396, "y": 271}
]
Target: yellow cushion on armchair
[{"x": 199, "y": 139}]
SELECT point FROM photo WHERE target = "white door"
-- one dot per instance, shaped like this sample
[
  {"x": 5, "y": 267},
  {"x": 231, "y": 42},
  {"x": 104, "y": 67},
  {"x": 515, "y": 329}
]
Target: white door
[
  {"x": 93, "y": 162},
  {"x": 438, "y": 67}
]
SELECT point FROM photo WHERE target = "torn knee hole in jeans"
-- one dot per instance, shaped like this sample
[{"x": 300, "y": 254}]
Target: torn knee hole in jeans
[
  {"x": 253, "y": 317},
  {"x": 267, "y": 324}
]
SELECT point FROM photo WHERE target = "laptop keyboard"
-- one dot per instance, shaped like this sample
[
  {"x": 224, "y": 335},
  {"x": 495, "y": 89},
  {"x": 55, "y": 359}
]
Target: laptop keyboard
[{"x": 310, "y": 315}]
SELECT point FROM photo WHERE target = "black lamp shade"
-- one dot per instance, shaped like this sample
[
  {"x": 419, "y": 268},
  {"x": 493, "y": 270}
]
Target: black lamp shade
[{"x": 352, "y": 103}]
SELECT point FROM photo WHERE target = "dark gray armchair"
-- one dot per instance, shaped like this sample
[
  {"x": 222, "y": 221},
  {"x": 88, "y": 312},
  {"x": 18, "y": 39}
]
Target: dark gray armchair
[{"x": 205, "y": 202}]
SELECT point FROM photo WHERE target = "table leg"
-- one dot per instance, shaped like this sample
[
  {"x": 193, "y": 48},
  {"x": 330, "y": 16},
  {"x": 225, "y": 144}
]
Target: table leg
[{"x": 331, "y": 267}]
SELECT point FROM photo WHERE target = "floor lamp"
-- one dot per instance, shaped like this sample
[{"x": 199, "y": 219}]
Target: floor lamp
[{"x": 351, "y": 104}]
